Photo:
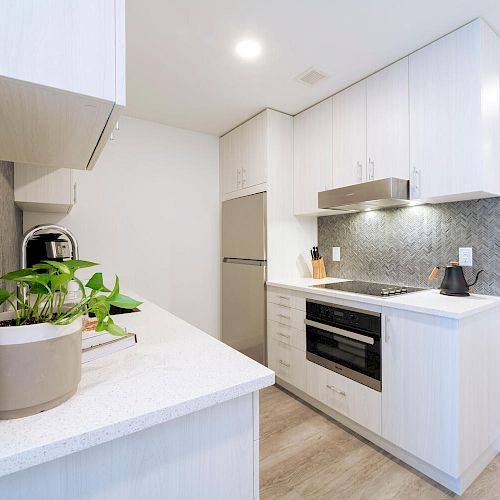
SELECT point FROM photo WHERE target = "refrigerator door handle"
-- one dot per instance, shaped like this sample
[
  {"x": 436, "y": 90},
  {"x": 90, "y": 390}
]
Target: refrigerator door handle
[{"x": 246, "y": 262}]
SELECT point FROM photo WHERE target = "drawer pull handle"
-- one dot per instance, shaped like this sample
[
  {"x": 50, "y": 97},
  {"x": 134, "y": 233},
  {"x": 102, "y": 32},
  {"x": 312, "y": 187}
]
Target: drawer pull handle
[
  {"x": 283, "y": 324},
  {"x": 334, "y": 389},
  {"x": 283, "y": 335},
  {"x": 284, "y": 364},
  {"x": 284, "y": 316},
  {"x": 282, "y": 297}
]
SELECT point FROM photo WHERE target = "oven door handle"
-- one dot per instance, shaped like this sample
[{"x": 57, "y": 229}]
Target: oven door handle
[{"x": 339, "y": 331}]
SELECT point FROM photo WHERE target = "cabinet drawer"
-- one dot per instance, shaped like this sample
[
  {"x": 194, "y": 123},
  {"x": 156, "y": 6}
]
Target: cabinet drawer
[
  {"x": 287, "y": 335},
  {"x": 288, "y": 363},
  {"x": 354, "y": 400},
  {"x": 286, "y": 316},
  {"x": 287, "y": 299}
]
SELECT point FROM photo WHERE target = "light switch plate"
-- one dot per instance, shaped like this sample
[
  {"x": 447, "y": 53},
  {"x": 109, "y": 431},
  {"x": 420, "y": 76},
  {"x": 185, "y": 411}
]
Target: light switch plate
[
  {"x": 465, "y": 256},
  {"x": 335, "y": 254}
]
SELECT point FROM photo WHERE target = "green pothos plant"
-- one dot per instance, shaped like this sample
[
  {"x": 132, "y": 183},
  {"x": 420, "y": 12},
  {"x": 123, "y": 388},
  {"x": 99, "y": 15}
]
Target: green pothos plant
[{"x": 46, "y": 286}]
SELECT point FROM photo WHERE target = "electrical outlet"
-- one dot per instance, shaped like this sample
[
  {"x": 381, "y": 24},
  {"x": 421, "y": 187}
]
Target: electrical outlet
[
  {"x": 335, "y": 254},
  {"x": 465, "y": 256}
]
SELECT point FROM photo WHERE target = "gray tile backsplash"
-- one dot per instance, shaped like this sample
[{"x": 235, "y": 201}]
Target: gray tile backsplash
[
  {"x": 402, "y": 245},
  {"x": 11, "y": 223}
]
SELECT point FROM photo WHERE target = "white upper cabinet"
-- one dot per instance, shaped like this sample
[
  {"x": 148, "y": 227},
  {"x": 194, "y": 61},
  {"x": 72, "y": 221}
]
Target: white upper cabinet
[
  {"x": 312, "y": 157},
  {"x": 387, "y": 125},
  {"x": 454, "y": 116},
  {"x": 62, "y": 80},
  {"x": 254, "y": 149},
  {"x": 229, "y": 162},
  {"x": 44, "y": 189},
  {"x": 349, "y": 136},
  {"x": 243, "y": 158}
]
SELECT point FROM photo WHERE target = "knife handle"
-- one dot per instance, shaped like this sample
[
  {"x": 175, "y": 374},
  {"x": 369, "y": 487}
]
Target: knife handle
[{"x": 434, "y": 273}]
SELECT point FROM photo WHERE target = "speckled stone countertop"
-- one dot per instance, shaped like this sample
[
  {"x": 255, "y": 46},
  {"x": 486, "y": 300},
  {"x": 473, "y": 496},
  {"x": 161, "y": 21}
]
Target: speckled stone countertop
[
  {"x": 174, "y": 369},
  {"x": 426, "y": 301}
]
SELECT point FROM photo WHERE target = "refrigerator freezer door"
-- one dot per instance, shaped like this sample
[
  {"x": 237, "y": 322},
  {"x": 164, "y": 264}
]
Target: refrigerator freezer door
[
  {"x": 243, "y": 311},
  {"x": 244, "y": 227}
]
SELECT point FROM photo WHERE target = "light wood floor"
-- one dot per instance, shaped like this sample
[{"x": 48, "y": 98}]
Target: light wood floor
[{"x": 305, "y": 454}]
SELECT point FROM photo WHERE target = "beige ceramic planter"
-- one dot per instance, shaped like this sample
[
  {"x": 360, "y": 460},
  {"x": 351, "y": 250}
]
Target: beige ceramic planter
[{"x": 40, "y": 366}]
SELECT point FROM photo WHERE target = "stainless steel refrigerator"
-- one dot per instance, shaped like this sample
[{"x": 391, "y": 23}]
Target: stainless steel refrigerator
[{"x": 244, "y": 275}]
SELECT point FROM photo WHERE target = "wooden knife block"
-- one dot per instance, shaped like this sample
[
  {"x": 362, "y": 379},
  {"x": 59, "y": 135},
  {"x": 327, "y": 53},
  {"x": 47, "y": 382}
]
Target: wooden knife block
[{"x": 319, "y": 268}]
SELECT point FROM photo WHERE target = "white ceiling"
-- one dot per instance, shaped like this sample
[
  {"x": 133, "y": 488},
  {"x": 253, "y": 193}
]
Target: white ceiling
[{"x": 182, "y": 71}]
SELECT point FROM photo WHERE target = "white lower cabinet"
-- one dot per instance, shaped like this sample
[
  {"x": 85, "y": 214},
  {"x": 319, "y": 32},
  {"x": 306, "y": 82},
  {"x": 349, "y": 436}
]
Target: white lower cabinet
[
  {"x": 287, "y": 299},
  {"x": 439, "y": 407},
  {"x": 287, "y": 335},
  {"x": 356, "y": 401},
  {"x": 419, "y": 398},
  {"x": 286, "y": 316},
  {"x": 288, "y": 363}
]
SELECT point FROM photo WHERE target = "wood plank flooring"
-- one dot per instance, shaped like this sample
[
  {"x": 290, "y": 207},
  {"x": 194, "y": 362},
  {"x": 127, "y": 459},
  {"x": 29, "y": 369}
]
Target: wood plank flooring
[{"x": 306, "y": 455}]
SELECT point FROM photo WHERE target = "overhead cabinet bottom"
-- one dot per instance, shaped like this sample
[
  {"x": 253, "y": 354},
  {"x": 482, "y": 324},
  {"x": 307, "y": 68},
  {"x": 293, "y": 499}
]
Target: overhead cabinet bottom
[{"x": 45, "y": 126}]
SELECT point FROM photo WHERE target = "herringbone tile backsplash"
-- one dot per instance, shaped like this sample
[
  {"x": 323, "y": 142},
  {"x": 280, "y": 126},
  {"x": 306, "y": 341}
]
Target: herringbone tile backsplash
[
  {"x": 11, "y": 224},
  {"x": 402, "y": 245}
]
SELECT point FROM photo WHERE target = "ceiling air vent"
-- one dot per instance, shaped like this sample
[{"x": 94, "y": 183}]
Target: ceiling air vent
[{"x": 311, "y": 77}]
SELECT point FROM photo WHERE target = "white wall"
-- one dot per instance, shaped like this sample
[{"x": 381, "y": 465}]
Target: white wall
[{"x": 149, "y": 212}]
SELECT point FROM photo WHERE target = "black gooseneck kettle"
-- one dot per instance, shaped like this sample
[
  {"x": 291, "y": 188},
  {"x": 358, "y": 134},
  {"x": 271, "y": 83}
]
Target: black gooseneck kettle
[{"x": 454, "y": 282}]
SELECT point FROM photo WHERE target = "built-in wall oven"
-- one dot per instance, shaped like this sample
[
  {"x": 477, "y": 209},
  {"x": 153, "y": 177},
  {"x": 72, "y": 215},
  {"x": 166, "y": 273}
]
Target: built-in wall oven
[{"x": 345, "y": 340}]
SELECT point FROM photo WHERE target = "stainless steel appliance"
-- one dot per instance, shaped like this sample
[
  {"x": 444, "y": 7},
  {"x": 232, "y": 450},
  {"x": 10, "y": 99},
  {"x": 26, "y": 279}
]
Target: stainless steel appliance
[
  {"x": 372, "y": 195},
  {"x": 244, "y": 275},
  {"x": 47, "y": 242},
  {"x": 368, "y": 288},
  {"x": 346, "y": 341}
]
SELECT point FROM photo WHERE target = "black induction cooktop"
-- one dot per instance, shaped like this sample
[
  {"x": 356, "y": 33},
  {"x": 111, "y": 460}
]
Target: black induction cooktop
[{"x": 367, "y": 288}]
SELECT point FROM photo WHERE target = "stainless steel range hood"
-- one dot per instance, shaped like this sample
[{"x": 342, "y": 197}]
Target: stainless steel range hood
[{"x": 372, "y": 195}]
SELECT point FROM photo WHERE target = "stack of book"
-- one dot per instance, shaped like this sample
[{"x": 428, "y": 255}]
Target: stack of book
[{"x": 98, "y": 344}]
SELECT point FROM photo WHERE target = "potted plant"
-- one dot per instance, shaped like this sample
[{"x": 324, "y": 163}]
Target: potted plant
[{"x": 40, "y": 338}]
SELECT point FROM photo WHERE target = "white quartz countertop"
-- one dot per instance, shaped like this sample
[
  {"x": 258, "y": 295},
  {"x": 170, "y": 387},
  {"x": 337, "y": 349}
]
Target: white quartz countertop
[
  {"x": 427, "y": 301},
  {"x": 174, "y": 369}
]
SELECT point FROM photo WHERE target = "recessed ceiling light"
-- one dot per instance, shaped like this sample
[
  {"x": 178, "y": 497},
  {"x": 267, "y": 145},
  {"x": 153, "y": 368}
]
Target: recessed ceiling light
[{"x": 248, "y": 49}]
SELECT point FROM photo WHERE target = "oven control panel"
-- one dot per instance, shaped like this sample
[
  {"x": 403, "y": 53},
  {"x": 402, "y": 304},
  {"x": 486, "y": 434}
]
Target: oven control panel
[{"x": 344, "y": 317}]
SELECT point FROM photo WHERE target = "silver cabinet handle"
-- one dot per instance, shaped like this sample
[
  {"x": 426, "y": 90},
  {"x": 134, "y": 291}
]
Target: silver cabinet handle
[
  {"x": 243, "y": 180},
  {"x": 334, "y": 389},
  {"x": 416, "y": 181},
  {"x": 284, "y": 335},
  {"x": 74, "y": 193},
  {"x": 238, "y": 178},
  {"x": 386, "y": 335},
  {"x": 339, "y": 331},
  {"x": 359, "y": 166},
  {"x": 284, "y": 297},
  {"x": 284, "y": 364},
  {"x": 284, "y": 316},
  {"x": 371, "y": 169}
]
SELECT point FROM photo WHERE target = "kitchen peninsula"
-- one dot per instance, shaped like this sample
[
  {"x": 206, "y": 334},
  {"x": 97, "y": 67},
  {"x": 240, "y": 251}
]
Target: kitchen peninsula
[{"x": 175, "y": 415}]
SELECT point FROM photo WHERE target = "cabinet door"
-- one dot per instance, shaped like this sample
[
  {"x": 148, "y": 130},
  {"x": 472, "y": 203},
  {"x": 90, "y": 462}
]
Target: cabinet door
[
  {"x": 312, "y": 156},
  {"x": 44, "y": 189},
  {"x": 60, "y": 44},
  {"x": 387, "y": 130},
  {"x": 445, "y": 121},
  {"x": 230, "y": 161},
  {"x": 349, "y": 136},
  {"x": 352, "y": 399},
  {"x": 419, "y": 396},
  {"x": 254, "y": 151},
  {"x": 288, "y": 363}
]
